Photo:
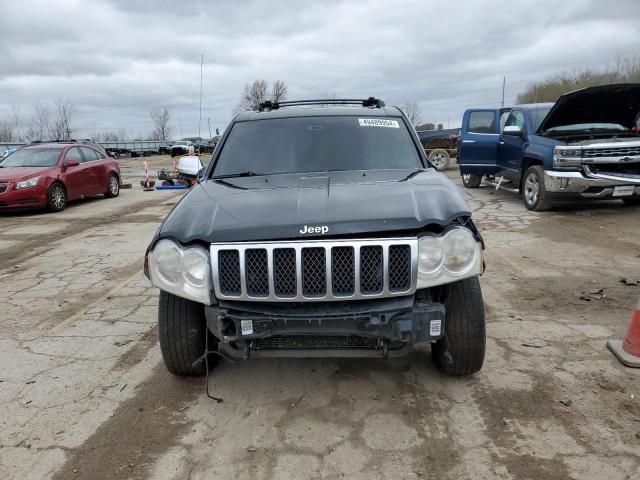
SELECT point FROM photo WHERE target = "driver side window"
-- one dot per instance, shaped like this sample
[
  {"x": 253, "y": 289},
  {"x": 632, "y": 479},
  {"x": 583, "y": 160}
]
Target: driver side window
[{"x": 516, "y": 119}]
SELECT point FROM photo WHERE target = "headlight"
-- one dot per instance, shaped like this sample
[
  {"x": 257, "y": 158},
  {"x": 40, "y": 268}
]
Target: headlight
[
  {"x": 185, "y": 272},
  {"x": 32, "y": 182},
  {"x": 448, "y": 258},
  {"x": 567, "y": 157}
]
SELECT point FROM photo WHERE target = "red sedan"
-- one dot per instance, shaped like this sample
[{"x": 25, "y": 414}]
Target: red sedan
[{"x": 48, "y": 175}]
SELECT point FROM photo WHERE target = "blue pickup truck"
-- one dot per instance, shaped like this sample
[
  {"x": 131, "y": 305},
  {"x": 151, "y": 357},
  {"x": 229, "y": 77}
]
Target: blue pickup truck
[{"x": 586, "y": 145}]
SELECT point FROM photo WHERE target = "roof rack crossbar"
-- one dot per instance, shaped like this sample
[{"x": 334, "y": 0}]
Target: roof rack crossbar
[{"x": 366, "y": 102}]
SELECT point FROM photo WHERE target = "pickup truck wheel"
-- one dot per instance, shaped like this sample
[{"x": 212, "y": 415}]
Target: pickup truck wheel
[
  {"x": 182, "y": 328},
  {"x": 461, "y": 351},
  {"x": 440, "y": 159},
  {"x": 534, "y": 194},
  {"x": 469, "y": 180},
  {"x": 632, "y": 200}
]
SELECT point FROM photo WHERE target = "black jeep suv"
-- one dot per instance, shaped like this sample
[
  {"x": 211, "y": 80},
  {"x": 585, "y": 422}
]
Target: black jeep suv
[{"x": 319, "y": 231}]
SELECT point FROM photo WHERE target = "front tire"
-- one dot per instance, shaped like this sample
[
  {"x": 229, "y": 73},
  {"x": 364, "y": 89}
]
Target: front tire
[
  {"x": 113, "y": 186},
  {"x": 440, "y": 159},
  {"x": 631, "y": 201},
  {"x": 56, "y": 197},
  {"x": 182, "y": 328},
  {"x": 534, "y": 193},
  {"x": 470, "y": 180},
  {"x": 461, "y": 351}
]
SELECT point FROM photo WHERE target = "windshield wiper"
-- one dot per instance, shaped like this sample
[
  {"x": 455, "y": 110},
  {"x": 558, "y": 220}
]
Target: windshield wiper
[{"x": 237, "y": 175}]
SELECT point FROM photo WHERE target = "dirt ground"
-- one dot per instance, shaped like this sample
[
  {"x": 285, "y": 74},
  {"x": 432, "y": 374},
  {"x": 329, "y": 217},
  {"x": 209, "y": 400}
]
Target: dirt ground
[{"x": 84, "y": 394}]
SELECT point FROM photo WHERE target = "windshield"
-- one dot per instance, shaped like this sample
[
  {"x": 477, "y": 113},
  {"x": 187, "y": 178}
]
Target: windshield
[
  {"x": 537, "y": 115},
  {"x": 317, "y": 144},
  {"x": 32, "y": 158},
  {"x": 588, "y": 126}
]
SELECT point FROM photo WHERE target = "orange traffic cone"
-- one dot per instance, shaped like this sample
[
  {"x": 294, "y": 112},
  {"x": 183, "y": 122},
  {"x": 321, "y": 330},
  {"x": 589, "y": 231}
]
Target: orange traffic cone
[{"x": 628, "y": 351}]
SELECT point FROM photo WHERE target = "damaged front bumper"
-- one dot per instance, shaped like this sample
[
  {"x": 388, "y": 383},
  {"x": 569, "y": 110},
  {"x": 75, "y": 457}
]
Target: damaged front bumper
[{"x": 373, "y": 328}]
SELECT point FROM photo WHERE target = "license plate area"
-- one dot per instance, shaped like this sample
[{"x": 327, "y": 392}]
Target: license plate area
[{"x": 623, "y": 190}]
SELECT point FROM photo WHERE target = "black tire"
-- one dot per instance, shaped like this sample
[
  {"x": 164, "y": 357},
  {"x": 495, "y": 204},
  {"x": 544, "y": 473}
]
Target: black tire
[
  {"x": 632, "y": 201},
  {"x": 182, "y": 327},
  {"x": 470, "y": 180},
  {"x": 113, "y": 186},
  {"x": 534, "y": 193},
  {"x": 440, "y": 159},
  {"x": 56, "y": 197},
  {"x": 464, "y": 327}
]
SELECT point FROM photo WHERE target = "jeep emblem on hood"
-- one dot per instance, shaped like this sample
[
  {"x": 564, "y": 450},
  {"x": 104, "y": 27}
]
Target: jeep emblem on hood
[{"x": 319, "y": 229}]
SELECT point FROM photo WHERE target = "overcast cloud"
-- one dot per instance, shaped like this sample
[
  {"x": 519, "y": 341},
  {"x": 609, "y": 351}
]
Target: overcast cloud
[{"x": 118, "y": 59}]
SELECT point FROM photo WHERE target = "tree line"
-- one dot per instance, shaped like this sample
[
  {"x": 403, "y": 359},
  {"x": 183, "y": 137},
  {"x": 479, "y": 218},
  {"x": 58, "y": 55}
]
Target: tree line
[{"x": 623, "y": 70}]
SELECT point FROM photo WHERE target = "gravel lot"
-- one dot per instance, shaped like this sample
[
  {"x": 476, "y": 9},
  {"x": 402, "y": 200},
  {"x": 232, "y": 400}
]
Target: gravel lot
[{"x": 84, "y": 394}]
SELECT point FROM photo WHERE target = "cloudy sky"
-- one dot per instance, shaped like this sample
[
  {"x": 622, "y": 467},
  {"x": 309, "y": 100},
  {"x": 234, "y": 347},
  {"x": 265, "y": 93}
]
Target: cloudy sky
[{"x": 118, "y": 59}]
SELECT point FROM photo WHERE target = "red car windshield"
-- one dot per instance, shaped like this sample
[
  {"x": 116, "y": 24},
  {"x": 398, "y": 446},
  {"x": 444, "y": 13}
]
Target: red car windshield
[{"x": 45, "y": 157}]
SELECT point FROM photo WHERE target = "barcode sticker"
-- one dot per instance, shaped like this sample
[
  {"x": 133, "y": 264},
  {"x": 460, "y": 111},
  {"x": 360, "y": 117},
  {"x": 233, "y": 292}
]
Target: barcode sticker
[
  {"x": 435, "y": 328},
  {"x": 378, "y": 122},
  {"x": 246, "y": 326}
]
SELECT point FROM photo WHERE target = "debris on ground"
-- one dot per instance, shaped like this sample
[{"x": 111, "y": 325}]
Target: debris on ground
[
  {"x": 534, "y": 344},
  {"x": 566, "y": 403},
  {"x": 122, "y": 343},
  {"x": 631, "y": 281},
  {"x": 593, "y": 295}
]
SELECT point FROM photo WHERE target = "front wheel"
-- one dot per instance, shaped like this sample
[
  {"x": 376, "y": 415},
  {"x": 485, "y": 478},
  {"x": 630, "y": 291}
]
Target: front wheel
[
  {"x": 182, "y": 328},
  {"x": 461, "y": 351},
  {"x": 113, "y": 186},
  {"x": 534, "y": 193},
  {"x": 632, "y": 201},
  {"x": 469, "y": 180},
  {"x": 440, "y": 159},
  {"x": 56, "y": 197}
]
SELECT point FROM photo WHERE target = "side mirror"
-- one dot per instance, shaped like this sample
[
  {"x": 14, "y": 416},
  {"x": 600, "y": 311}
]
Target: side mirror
[
  {"x": 71, "y": 163},
  {"x": 513, "y": 130},
  {"x": 201, "y": 173}
]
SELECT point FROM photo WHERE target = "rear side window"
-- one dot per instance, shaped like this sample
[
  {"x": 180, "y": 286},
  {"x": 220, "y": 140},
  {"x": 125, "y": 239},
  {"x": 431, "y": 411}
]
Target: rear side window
[
  {"x": 74, "y": 154},
  {"x": 482, "y": 122},
  {"x": 317, "y": 144},
  {"x": 90, "y": 154}
]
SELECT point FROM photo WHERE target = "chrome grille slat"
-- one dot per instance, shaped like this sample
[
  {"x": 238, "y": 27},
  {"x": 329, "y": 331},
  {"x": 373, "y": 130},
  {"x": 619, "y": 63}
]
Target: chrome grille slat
[{"x": 319, "y": 270}]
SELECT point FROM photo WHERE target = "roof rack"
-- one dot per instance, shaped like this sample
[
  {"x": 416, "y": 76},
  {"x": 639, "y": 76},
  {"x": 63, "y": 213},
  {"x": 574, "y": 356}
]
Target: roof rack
[
  {"x": 367, "y": 102},
  {"x": 70, "y": 140}
]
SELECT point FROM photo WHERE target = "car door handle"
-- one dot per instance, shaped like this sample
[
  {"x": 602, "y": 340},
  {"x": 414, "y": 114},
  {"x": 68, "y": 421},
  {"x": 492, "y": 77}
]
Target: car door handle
[
  {"x": 468, "y": 141},
  {"x": 501, "y": 142}
]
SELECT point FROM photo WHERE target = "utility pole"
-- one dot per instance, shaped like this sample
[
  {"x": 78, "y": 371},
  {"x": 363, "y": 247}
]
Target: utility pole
[
  {"x": 504, "y": 81},
  {"x": 200, "y": 120},
  {"x": 209, "y": 122},
  {"x": 180, "y": 120}
]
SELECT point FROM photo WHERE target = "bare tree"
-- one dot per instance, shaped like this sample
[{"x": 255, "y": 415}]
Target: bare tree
[
  {"x": 279, "y": 91},
  {"x": 440, "y": 126},
  {"x": 6, "y": 132},
  {"x": 61, "y": 128},
  {"x": 258, "y": 92},
  {"x": 39, "y": 128},
  {"x": 413, "y": 113},
  {"x": 15, "y": 113},
  {"x": 161, "y": 117}
]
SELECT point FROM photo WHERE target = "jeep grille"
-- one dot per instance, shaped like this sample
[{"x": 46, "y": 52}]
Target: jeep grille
[{"x": 314, "y": 270}]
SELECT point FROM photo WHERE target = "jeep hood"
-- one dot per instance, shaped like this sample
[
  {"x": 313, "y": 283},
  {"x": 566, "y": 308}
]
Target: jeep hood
[
  {"x": 618, "y": 103},
  {"x": 278, "y": 207}
]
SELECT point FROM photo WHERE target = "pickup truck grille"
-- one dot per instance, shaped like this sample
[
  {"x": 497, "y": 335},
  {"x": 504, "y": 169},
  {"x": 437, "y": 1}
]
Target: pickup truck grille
[
  {"x": 611, "y": 152},
  {"x": 314, "y": 270}
]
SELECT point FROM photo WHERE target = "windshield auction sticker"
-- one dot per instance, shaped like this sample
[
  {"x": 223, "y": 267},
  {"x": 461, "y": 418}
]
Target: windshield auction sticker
[{"x": 378, "y": 122}]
